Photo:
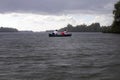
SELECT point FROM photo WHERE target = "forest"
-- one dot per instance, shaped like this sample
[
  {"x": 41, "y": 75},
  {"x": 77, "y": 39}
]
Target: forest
[
  {"x": 95, "y": 27},
  {"x": 115, "y": 27},
  {"x": 6, "y": 29}
]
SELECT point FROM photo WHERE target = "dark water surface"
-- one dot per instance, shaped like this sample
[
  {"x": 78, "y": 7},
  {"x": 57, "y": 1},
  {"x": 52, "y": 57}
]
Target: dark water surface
[{"x": 35, "y": 56}]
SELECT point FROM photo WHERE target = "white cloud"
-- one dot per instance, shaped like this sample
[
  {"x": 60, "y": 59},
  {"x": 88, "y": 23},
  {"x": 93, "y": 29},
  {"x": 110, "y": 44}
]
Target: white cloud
[
  {"x": 38, "y": 22},
  {"x": 35, "y": 22},
  {"x": 105, "y": 20},
  {"x": 37, "y": 16}
]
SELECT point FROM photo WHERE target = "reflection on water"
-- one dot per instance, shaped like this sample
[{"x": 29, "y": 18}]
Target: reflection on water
[{"x": 35, "y": 56}]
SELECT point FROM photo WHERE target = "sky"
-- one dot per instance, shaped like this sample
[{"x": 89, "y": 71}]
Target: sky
[{"x": 42, "y": 15}]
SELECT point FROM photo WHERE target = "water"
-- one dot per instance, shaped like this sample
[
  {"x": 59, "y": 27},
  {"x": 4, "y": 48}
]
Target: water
[{"x": 35, "y": 56}]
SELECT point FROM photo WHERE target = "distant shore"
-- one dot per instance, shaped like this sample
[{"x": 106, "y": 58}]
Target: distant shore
[{"x": 6, "y": 29}]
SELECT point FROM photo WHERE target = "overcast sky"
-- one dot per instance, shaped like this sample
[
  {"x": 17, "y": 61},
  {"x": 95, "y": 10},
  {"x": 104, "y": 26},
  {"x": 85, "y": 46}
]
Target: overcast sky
[{"x": 41, "y": 15}]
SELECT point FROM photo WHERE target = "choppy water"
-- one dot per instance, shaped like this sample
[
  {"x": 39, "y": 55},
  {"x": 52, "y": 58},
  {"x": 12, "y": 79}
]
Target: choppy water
[{"x": 35, "y": 56}]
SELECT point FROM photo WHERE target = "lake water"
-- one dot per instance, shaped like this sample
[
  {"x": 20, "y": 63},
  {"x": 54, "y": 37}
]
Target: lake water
[{"x": 35, "y": 56}]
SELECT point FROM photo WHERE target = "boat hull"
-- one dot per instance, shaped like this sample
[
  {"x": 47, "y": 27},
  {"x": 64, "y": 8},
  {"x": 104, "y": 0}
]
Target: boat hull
[{"x": 59, "y": 35}]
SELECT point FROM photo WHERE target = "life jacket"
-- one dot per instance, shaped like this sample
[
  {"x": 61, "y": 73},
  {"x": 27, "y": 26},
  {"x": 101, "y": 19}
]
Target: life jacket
[{"x": 62, "y": 33}]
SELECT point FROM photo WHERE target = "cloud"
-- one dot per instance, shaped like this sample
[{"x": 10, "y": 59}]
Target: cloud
[
  {"x": 38, "y": 22},
  {"x": 35, "y": 22},
  {"x": 57, "y": 6},
  {"x": 41, "y": 15}
]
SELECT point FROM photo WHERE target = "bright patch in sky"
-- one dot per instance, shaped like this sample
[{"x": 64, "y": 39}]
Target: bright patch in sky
[
  {"x": 38, "y": 22},
  {"x": 42, "y": 15}
]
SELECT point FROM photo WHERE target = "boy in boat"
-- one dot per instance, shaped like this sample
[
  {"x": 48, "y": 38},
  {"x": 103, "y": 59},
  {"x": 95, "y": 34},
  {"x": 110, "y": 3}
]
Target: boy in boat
[
  {"x": 55, "y": 32},
  {"x": 64, "y": 32}
]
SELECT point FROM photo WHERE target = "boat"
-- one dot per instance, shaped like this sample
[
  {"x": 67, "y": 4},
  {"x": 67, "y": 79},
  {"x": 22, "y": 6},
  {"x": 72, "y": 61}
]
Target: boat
[{"x": 60, "y": 35}]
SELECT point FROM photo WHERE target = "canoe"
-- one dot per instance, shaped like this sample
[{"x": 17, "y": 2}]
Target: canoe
[{"x": 60, "y": 35}]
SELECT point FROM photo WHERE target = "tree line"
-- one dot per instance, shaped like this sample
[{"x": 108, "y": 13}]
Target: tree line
[
  {"x": 94, "y": 27},
  {"x": 6, "y": 29},
  {"x": 115, "y": 27}
]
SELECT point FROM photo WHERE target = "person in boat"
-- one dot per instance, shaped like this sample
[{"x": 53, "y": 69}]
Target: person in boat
[
  {"x": 55, "y": 32},
  {"x": 64, "y": 32}
]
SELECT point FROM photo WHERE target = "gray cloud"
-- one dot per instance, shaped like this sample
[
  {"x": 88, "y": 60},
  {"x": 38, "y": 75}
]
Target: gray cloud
[{"x": 57, "y": 6}]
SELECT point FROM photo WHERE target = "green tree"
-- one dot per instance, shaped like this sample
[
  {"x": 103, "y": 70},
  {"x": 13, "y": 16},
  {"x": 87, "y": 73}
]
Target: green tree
[
  {"x": 116, "y": 23},
  {"x": 94, "y": 27},
  {"x": 5, "y": 29}
]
